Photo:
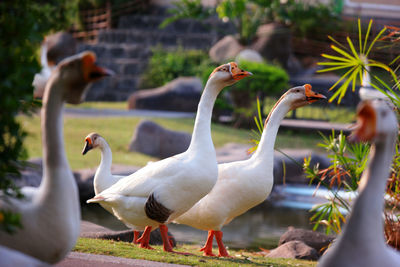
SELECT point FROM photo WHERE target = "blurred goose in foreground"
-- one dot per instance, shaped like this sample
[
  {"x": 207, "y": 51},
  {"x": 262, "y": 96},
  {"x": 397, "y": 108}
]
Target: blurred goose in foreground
[
  {"x": 103, "y": 178},
  {"x": 163, "y": 190},
  {"x": 362, "y": 242},
  {"x": 242, "y": 185},
  {"x": 51, "y": 220}
]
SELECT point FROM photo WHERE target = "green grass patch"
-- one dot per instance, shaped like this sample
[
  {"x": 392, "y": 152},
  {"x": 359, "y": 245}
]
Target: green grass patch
[
  {"x": 118, "y": 132},
  {"x": 101, "y": 105},
  {"x": 128, "y": 250}
]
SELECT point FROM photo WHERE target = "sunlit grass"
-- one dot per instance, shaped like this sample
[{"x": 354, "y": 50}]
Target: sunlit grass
[
  {"x": 101, "y": 105},
  {"x": 118, "y": 131},
  {"x": 127, "y": 250}
]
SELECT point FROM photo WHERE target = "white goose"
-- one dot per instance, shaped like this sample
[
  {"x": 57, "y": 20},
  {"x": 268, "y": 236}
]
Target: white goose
[
  {"x": 242, "y": 185},
  {"x": 103, "y": 177},
  {"x": 163, "y": 190},
  {"x": 51, "y": 219},
  {"x": 362, "y": 242}
]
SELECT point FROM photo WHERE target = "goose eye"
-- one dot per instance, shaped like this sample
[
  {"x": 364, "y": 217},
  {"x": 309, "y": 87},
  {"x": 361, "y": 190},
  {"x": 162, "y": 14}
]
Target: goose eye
[{"x": 297, "y": 91}]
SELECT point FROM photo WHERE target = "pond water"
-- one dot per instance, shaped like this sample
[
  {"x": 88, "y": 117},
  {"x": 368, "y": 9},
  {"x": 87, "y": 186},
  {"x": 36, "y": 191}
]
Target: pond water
[{"x": 259, "y": 227}]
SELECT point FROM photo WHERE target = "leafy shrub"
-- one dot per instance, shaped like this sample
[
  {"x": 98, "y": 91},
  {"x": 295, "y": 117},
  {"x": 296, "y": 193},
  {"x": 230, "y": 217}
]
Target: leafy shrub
[
  {"x": 164, "y": 66},
  {"x": 267, "y": 78},
  {"x": 305, "y": 19}
]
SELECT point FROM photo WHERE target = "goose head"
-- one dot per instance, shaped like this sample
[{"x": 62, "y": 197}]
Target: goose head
[
  {"x": 75, "y": 73},
  {"x": 301, "y": 96},
  {"x": 228, "y": 74},
  {"x": 92, "y": 140},
  {"x": 376, "y": 120}
]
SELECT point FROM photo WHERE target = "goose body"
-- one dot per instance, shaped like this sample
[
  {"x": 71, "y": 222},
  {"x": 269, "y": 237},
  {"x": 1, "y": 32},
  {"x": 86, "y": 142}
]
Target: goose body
[
  {"x": 242, "y": 185},
  {"x": 362, "y": 242},
  {"x": 51, "y": 219},
  {"x": 161, "y": 191}
]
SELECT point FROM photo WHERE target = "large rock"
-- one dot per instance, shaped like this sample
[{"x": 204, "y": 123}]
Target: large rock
[
  {"x": 31, "y": 175},
  {"x": 181, "y": 94},
  {"x": 316, "y": 240},
  {"x": 91, "y": 230},
  {"x": 294, "y": 250},
  {"x": 273, "y": 42},
  {"x": 225, "y": 49},
  {"x": 152, "y": 139},
  {"x": 249, "y": 55},
  {"x": 290, "y": 170}
]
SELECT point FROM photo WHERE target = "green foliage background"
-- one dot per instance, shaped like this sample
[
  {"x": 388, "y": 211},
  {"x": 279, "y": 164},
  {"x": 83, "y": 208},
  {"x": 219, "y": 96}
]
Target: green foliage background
[{"x": 166, "y": 65}]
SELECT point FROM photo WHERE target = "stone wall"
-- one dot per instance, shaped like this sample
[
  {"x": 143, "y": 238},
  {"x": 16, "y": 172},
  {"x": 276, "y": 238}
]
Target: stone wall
[{"x": 126, "y": 50}]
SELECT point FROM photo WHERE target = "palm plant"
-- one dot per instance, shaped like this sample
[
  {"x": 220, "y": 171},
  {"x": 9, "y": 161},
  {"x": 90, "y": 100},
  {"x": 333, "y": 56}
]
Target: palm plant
[
  {"x": 356, "y": 63},
  {"x": 349, "y": 161},
  {"x": 347, "y": 164}
]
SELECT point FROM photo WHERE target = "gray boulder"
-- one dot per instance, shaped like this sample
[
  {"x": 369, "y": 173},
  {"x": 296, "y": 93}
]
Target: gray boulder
[
  {"x": 294, "y": 250},
  {"x": 316, "y": 240},
  {"x": 290, "y": 170},
  {"x": 152, "y": 139},
  {"x": 31, "y": 174},
  {"x": 225, "y": 49},
  {"x": 273, "y": 42},
  {"x": 181, "y": 94},
  {"x": 249, "y": 55}
]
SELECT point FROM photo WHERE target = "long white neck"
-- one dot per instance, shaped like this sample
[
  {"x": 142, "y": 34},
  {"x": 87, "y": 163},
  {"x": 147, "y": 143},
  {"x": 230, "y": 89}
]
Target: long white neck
[
  {"x": 52, "y": 127},
  {"x": 103, "y": 177},
  {"x": 366, "y": 219},
  {"x": 58, "y": 189},
  {"x": 201, "y": 137},
  {"x": 265, "y": 149}
]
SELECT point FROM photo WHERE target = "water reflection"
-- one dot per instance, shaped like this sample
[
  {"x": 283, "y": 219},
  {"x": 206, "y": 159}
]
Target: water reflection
[{"x": 261, "y": 226}]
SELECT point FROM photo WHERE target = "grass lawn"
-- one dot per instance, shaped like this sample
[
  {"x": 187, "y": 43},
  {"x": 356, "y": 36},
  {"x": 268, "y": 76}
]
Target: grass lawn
[
  {"x": 127, "y": 250},
  {"x": 316, "y": 112},
  {"x": 103, "y": 105},
  {"x": 118, "y": 132}
]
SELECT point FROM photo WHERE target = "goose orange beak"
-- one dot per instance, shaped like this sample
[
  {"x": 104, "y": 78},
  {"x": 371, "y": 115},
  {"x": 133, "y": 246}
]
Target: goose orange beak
[
  {"x": 91, "y": 71},
  {"x": 312, "y": 96},
  {"x": 88, "y": 145},
  {"x": 365, "y": 128},
  {"x": 237, "y": 73}
]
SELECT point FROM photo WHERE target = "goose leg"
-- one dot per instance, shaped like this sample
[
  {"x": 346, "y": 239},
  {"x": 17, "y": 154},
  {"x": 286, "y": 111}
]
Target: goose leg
[
  {"x": 166, "y": 240},
  {"x": 221, "y": 247},
  {"x": 145, "y": 238},
  {"x": 136, "y": 237},
  {"x": 208, "y": 245}
]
